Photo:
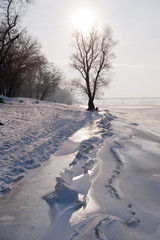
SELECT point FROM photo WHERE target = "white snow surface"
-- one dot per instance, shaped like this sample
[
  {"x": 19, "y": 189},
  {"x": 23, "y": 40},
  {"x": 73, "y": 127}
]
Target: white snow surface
[
  {"x": 99, "y": 182},
  {"x": 32, "y": 132}
]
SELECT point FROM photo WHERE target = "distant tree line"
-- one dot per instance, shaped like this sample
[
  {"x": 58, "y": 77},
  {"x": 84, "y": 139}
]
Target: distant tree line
[{"x": 24, "y": 70}]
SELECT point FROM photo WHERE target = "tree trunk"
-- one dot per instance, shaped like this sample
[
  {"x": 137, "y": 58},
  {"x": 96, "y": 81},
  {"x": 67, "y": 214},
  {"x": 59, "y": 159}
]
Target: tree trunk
[
  {"x": 91, "y": 104},
  {"x": 44, "y": 93}
]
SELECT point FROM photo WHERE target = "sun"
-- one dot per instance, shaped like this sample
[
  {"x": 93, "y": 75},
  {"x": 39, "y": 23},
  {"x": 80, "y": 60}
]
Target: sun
[{"x": 84, "y": 20}]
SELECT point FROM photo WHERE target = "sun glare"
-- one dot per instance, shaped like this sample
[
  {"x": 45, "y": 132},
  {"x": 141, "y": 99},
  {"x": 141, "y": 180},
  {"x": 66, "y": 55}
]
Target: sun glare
[{"x": 83, "y": 20}]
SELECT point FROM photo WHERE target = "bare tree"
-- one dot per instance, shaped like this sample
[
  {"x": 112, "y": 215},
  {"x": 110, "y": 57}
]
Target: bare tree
[
  {"x": 92, "y": 56},
  {"x": 30, "y": 86},
  {"x": 10, "y": 13},
  {"x": 21, "y": 60},
  {"x": 23, "y": 69},
  {"x": 8, "y": 34},
  {"x": 47, "y": 80}
]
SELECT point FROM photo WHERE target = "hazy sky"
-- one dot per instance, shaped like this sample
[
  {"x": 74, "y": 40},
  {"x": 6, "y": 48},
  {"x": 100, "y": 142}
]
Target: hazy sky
[{"x": 136, "y": 25}]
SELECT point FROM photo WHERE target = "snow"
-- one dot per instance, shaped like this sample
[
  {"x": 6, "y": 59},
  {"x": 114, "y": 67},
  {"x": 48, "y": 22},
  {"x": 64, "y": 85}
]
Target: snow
[
  {"x": 100, "y": 178},
  {"x": 32, "y": 131}
]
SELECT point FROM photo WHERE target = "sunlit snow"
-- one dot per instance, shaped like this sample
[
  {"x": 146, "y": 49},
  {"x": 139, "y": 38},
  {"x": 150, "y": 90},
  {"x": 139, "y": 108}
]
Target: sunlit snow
[{"x": 98, "y": 174}]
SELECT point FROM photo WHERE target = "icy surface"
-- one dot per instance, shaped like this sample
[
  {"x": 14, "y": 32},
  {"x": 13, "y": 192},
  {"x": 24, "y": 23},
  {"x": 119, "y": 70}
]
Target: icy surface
[{"x": 103, "y": 181}]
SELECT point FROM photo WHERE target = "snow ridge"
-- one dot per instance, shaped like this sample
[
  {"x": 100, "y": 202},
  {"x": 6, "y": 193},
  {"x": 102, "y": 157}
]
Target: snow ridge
[{"x": 72, "y": 187}]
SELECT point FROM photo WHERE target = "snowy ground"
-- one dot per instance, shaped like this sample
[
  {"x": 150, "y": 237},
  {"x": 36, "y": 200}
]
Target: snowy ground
[
  {"x": 100, "y": 182},
  {"x": 33, "y": 131}
]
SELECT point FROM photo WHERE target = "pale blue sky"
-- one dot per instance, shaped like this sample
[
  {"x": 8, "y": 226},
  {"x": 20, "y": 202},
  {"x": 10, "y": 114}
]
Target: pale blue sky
[{"x": 136, "y": 25}]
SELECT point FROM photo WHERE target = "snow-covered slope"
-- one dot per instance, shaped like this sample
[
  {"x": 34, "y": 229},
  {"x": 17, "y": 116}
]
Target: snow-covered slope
[{"x": 32, "y": 131}]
